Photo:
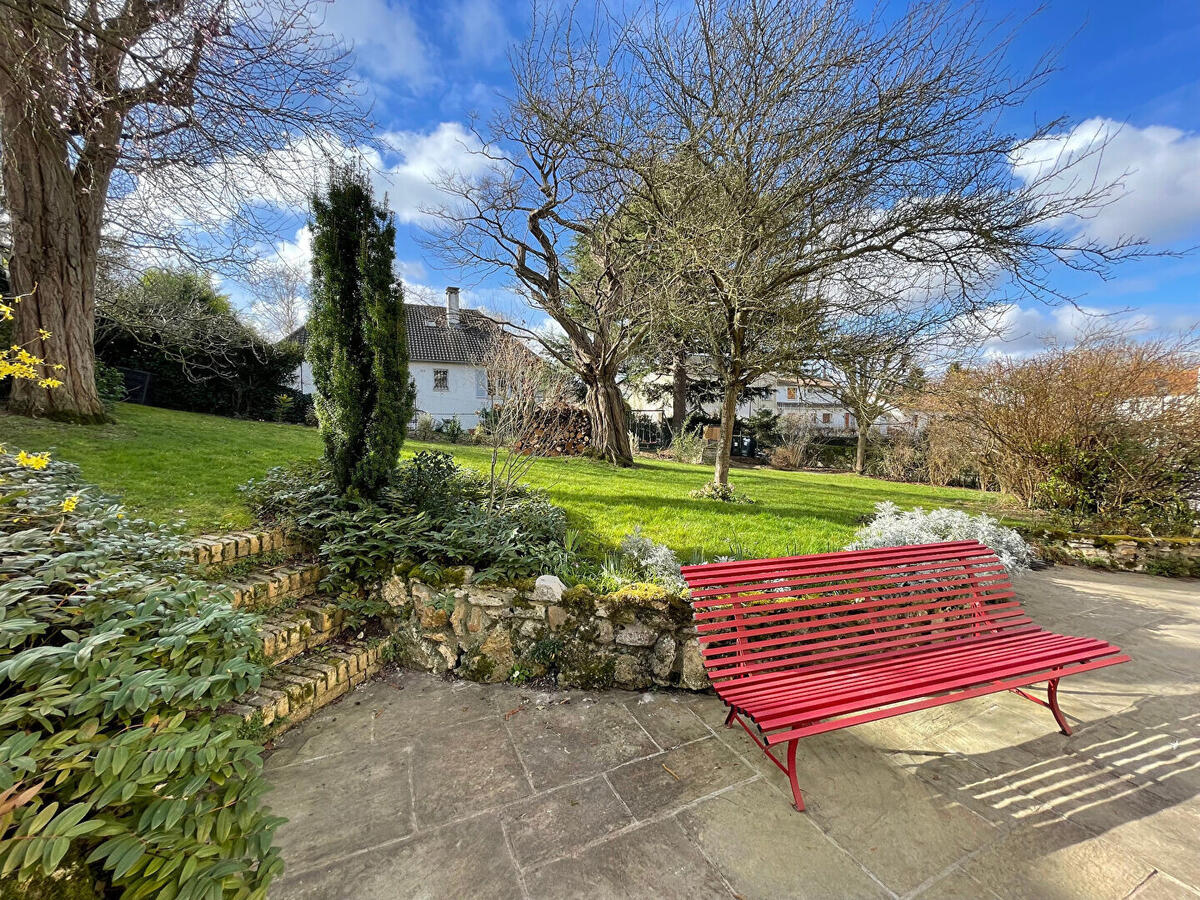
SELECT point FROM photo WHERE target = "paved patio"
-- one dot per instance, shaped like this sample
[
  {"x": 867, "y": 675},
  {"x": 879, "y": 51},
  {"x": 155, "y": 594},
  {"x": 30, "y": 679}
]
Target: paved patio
[{"x": 413, "y": 786}]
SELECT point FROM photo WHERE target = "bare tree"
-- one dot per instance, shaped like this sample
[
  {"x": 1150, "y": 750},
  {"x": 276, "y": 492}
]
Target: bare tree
[
  {"x": 784, "y": 150},
  {"x": 545, "y": 213},
  {"x": 280, "y": 291},
  {"x": 870, "y": 362},
  {"x": 154, "y": 118},
  {"x": 519, "y": 385}
]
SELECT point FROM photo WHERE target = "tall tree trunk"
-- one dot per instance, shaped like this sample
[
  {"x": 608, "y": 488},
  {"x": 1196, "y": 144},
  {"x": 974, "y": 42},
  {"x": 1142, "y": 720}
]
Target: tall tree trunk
[
  {"x": 610, "y": 427},
  {"x": 679, "y": 385},
  {"x": 860, "y": 455},
  {"x": 728, "y": 415},
  {"x": 55, "y": 216}
]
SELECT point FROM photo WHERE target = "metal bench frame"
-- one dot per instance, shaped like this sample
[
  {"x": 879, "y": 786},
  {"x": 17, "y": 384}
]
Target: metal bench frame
[{"x": 801, "y": 645}]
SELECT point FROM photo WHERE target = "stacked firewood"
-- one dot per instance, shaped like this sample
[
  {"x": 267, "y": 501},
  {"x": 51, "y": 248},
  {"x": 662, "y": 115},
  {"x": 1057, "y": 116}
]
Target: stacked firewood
[{"x": 559, "y": 430}]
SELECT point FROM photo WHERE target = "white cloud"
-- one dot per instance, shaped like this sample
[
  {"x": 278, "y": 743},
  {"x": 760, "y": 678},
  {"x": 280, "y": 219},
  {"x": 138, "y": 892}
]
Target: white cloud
[
  {"x": 1158, "y": 170},
  {"x": 386, "y": 40},
  {"x": 1023, "y": 330},
  {"x": 415, "y": 161},
  {"x": 406, "y": 167}
]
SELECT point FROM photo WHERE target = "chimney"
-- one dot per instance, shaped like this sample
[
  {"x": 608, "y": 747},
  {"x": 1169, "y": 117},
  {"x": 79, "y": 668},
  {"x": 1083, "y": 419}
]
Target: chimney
[{"x": 452, "y": 307}]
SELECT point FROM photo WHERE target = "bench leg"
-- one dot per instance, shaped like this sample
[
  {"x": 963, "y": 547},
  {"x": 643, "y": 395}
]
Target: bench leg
[
  {"x": 791, "y": 774},
  {"x": 1052, "y": 696},
  {"x": 729, "y": 718}
]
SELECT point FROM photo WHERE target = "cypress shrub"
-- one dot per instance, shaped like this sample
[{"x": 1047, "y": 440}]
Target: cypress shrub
[{"x": 356, "y": 342}]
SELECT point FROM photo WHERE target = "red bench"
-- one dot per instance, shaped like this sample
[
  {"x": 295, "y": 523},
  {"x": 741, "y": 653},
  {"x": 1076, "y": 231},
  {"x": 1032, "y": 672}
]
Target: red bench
[{"x": 806, "y": 644}]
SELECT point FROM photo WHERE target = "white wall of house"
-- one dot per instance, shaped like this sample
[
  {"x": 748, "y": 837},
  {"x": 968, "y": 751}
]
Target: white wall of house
[
  {"x": 464, "y": 395},
  {"x": 459, "y": 390},
  {"x": 811, "y": 402}
]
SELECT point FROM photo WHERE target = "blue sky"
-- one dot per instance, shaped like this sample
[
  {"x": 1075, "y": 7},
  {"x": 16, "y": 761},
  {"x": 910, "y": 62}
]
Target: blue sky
[{"x": 1132, "y": 70}]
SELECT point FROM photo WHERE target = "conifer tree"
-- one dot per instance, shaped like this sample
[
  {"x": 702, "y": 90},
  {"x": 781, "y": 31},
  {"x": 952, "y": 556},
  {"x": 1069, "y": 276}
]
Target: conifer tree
[{"x": 356, "y": 342}]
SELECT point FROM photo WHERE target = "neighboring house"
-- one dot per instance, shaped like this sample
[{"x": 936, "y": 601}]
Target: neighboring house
[
  {"x": 809, "y": 398},
  {"x": 447, "y": 352}
]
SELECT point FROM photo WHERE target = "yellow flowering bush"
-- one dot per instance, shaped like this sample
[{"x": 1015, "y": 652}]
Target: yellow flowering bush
[{"x": 18, "y": 363}]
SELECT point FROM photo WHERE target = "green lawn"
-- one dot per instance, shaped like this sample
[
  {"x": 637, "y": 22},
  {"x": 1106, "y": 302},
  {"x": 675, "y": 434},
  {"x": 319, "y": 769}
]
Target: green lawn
[{"x": 182, "y": 466}]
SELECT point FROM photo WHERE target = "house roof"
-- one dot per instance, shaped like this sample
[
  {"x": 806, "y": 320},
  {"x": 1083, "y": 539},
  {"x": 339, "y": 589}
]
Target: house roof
[{"x": 430, "y": 339}]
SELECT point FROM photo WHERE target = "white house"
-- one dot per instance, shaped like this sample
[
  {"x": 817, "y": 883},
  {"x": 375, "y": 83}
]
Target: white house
[
  {"x": 447, "y": 350},
  {"x": 810, "y": 398}
]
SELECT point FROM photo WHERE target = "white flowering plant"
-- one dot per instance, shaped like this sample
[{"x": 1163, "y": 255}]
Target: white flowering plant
[
  {"x": 650, "y": 560},
  {"x": 893, "y": 527}
]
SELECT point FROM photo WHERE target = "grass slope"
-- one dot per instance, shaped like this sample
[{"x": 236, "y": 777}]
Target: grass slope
[{"x": 172, "y": 465}]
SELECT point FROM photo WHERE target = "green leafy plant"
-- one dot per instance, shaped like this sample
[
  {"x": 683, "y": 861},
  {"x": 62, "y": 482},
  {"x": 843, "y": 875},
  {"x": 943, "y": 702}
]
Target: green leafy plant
[
  {"x": 114, "y": 666},
  {"x": 433, "y": 510},
  {"x": 713, "y": 490},
  {"x": 452, "y": 430},
  {"x": 424, "y": 429},
  {"x": 356, "y": 342},
  {"x": 283, "y": 407},
  {"x": 110, "y": 383}
]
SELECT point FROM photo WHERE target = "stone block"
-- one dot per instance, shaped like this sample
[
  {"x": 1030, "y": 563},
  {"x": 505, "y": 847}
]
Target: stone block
[
  {"x": 422, "y": 594},
  {"x": 630, "y": 672},
  {"x": 693, "y": 676},
  {"x": 492, "y": 597},
  {"x": 662, "y": 661},
  {"x": 498, "y": 651},
  {"x": 548, "y": 589},
  {"x": 556, "y": 617},
  {"x": 477, "y": 620},
  {"x": 637, "y": 635},
  {"x": 433, "y": 617},
  {"x": 395, "y": 592}
]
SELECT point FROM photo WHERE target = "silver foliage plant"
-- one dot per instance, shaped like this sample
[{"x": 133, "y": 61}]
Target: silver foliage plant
[
  {"x": 893, "y": 527},
  {"x": 651, "y": 561}
]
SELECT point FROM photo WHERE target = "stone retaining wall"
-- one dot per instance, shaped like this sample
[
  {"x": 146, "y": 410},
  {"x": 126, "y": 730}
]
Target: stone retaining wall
[
  {"x": 635, "y": 638},
  {"x": 1157, "y": 556}
]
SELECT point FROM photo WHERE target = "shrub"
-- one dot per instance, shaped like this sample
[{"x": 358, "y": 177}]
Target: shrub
[
  {"x": 283, "y": 407},
  {"x": 687, "y": 446},
  {"x": 110, "y": 383},
  {"x": 425, "y": 430},
  {"x": 892, "y": 527},
  {"x": 452, "y": 430},
  {"x": 113, "y": 666},
  {"x": 1106, "y": 433},
  {"x": 795, "y": 444},
  {"x": 726, "y": 493},
  {"x": 434, "y": 510},
  {"x": 356, "y": 341},
  {"x": 651, "y": 561},
  {"x": 200, "y": 356}
]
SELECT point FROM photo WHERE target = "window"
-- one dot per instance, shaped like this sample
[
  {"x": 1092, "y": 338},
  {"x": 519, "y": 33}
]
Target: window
[
  {"x": 793, "y": 393},
  {"x": 441, "y": 379},
  {"x": 481, "y": 385},
  {"x": 826, "y": 418}
]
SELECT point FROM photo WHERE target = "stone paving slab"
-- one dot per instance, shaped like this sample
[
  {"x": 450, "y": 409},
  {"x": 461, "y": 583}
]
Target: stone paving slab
[{"x": 415, "y": 786}]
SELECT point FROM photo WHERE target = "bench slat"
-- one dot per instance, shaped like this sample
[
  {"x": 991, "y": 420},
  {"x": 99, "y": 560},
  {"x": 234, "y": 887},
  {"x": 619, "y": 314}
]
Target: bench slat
[
  {"x": 818, "y": 598},
  {"x": 994, "y": 687},
  {"x": 804, "y": 701},
  {"x": 720, "y": 573}
]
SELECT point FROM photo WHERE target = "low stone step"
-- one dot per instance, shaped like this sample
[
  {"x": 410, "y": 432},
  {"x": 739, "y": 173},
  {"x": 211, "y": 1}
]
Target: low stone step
[
  {"x": 276, "y": 586},
  {"x": 230, "y": 547},
  {"x": 296, "y": 689},
  {"x": 290, "y": 633}
]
